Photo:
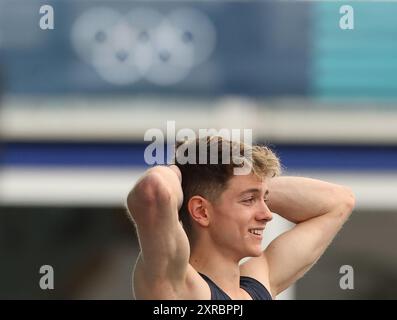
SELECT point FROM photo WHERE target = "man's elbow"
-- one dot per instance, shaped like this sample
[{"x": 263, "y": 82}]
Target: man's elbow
[
  {"x": 149, "y": 192},
  {"x": 350, "y": 200},
  {"x": 347, "y": 201}
]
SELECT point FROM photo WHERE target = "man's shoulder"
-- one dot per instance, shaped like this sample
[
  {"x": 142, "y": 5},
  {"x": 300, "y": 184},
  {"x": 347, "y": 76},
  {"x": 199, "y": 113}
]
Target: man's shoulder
[
  {"x": 258, "y": 269},
  {"x": 150, "y": 286}
]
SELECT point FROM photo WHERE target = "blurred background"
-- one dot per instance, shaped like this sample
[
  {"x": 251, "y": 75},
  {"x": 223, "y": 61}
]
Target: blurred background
[{"x": 77, "y": 100}]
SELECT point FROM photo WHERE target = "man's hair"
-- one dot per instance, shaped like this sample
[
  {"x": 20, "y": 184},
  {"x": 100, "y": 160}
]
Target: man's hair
[{"x": 209, "y": 180}]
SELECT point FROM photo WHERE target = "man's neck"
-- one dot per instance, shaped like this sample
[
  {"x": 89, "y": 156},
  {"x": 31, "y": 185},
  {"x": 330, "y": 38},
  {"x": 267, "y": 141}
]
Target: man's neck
[{"x": 218, "y": 266}]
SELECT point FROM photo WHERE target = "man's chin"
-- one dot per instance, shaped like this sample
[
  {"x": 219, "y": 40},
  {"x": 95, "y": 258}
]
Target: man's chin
[
  {"x": 255, "y": 253},
  {"x": 258, "y": 254}
]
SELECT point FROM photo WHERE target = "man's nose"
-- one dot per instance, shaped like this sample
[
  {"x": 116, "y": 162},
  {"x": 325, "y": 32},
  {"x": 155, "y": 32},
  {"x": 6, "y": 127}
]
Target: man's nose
[{"x": 264, "y": 213}]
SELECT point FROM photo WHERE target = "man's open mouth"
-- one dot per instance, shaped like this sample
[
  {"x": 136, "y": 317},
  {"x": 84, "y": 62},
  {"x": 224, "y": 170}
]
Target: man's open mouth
[{"x": 255, "y": 231}]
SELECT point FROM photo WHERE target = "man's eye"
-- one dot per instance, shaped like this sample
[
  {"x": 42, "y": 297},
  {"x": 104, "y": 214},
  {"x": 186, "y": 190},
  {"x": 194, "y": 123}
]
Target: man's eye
[
  {"x": 266, "y": 200},
  {"x": 249, "y": 201}
]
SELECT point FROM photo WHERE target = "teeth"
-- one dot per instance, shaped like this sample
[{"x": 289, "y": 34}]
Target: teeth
[{"x": 256, "y": 231}]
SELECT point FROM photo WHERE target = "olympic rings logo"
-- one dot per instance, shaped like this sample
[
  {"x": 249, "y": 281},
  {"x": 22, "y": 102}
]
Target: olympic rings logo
[{"x": 143, "y": 44}]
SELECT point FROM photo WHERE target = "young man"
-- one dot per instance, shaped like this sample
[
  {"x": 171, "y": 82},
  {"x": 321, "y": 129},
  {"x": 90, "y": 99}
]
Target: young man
[{"x": 223, "y": 218}]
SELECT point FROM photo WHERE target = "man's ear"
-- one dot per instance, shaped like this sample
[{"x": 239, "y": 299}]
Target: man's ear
[{"x": 198, "y": 209}]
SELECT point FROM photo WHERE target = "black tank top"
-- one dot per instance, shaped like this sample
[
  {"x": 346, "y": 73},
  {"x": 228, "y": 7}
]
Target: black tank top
[{"x": 255, "y": 289}]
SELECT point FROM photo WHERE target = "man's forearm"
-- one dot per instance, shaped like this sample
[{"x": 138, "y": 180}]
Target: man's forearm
[{"x": 298, "y": 199}]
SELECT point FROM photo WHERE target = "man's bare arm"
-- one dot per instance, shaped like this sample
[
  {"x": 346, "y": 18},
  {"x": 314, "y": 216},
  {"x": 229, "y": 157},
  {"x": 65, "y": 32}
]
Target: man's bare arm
[
  {"x": 153, "y": 203},
  {"x": 298, "y": 199},
  {"x": 319, "y": 209}
]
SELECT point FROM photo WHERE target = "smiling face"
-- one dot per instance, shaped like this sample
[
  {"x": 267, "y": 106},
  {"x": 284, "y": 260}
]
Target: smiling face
[
  {"x": 238, "y": 217},
  {"x": 205, "y": 183}
]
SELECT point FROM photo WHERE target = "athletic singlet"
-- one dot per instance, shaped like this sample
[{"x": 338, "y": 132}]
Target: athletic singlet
[{"x": 255, "y": 289}]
